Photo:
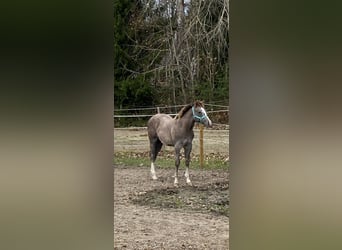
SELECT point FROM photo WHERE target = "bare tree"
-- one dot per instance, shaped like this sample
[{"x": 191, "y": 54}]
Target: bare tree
[{"x": 183, "y": 44}]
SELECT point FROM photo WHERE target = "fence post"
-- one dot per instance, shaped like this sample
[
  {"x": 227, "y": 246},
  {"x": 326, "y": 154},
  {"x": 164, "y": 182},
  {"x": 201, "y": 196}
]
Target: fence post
[
  {"x": 158, "y": 110},
  {"x": 201, "y": 145}
]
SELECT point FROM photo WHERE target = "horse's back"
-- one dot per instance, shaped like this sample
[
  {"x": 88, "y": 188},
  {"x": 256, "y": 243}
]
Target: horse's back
[{"x": 157, "y": 119}]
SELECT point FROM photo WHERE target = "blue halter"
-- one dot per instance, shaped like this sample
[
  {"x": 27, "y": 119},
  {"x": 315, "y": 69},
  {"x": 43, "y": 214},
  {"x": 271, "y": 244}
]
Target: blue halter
[{"x": 199, "y": 118}]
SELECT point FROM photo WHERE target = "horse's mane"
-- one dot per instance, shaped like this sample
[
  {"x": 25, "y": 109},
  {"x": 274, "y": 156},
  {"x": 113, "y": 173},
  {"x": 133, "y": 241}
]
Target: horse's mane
[{"x": 186, "y": 108}]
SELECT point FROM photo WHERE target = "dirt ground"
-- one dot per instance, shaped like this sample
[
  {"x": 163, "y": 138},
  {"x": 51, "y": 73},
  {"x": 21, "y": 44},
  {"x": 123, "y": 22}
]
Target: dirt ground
[{"x": 155, "y": 215}]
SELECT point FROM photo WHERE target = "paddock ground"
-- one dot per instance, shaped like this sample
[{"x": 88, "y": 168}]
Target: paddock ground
[
  {"x": 136, "y": 140},
  {"x": 155, "y": 215}
]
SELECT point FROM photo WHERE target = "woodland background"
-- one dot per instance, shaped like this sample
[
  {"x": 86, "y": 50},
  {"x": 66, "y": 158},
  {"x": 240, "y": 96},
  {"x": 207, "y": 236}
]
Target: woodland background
[{"x": 169, "y": 53}]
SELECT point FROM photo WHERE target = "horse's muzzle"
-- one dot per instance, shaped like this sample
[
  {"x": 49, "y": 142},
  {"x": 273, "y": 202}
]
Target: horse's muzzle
[{"x": 209, "y": 124}]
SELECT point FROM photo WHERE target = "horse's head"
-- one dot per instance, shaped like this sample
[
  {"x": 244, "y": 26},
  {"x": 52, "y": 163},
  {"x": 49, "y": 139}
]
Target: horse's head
[{"x": 200, "y": 115}]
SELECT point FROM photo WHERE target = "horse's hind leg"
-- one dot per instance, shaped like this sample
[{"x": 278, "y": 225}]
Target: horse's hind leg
[
  {"x": 187, "y": 151},
  {"x": 177, "y": 162},
  {"x": 155, "y": 147}
]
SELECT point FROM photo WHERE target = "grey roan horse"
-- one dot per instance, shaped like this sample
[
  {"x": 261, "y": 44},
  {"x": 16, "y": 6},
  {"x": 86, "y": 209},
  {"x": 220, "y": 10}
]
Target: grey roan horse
[{"x": 177, "y": 132}]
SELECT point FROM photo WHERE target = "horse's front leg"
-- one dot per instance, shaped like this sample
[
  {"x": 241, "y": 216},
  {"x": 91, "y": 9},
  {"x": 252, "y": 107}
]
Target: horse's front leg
[
  {"x": 177, "y": 162},
  {"x": 187, "y": 152}
]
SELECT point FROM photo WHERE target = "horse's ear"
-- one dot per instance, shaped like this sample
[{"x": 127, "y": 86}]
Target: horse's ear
[{"x": 198, "y": 103}]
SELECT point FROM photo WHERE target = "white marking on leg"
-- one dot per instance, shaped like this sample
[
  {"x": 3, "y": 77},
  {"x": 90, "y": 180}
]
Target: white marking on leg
[
  {"x": 186, "y": 172},
  {"x": 176, "y": 179},
  {"x": 188, "y": 181},
  {"x": 153, "y": 172}
]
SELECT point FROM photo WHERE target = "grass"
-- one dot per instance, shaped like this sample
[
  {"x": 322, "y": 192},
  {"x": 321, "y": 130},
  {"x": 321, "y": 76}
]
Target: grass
[{"x": 167, "y": 161}]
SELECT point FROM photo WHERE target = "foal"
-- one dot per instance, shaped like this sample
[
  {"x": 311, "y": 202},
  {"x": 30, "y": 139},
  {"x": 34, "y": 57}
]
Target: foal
[{"x": 177, "y": 132}]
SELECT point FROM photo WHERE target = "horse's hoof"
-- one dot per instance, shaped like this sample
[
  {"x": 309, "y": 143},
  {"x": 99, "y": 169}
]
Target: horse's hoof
[
  {"x": 175, "y": 185},
  {"x": 154, "y": 178},
  {"x": 189, "y": 183}
]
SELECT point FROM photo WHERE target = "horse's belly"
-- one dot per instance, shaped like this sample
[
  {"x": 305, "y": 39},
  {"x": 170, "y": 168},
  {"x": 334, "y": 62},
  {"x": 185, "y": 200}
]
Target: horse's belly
[{"x": 166, "y": 141}]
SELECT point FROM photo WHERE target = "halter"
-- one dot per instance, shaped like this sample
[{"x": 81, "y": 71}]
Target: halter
[{"x": 199, "y": 118}]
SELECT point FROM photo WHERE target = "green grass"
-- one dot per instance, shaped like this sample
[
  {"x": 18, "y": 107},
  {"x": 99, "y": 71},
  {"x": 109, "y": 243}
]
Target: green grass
[{"x": 131, "y": 159}]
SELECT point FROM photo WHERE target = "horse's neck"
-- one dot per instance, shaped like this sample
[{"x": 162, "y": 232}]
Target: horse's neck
[{"x": 187, "y": 121}]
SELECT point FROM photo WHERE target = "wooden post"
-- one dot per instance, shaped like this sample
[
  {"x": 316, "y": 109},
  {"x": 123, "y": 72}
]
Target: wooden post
[
  {"x": 158, "y": 110},
  {"x": 201, "y": 146}
]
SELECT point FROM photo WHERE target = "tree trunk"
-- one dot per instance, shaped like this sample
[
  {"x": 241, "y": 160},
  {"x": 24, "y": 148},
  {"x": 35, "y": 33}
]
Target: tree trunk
[{"x": 178, "y": 47}]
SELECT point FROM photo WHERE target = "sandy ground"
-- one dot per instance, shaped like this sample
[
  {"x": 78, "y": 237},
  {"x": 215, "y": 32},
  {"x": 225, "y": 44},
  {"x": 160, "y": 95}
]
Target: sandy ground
[
  {"x": 159, "y": 226},
  {"x": 136, "y": 140}
]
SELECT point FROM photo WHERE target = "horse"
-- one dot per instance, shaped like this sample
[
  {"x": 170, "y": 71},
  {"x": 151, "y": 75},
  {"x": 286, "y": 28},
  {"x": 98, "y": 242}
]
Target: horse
[{"x": 177, "y": 132}]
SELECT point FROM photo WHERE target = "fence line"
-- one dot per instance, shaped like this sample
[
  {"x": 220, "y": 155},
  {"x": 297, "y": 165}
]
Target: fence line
[
  {"x": 166, "y": 107},
  {"x": 131, "y": 109},
  {"x": 145, "y": 128},
  {"x": 149, "y": 108},
  {"x": 216, "y": 105},
  {"x": 134, "y": 116}
]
